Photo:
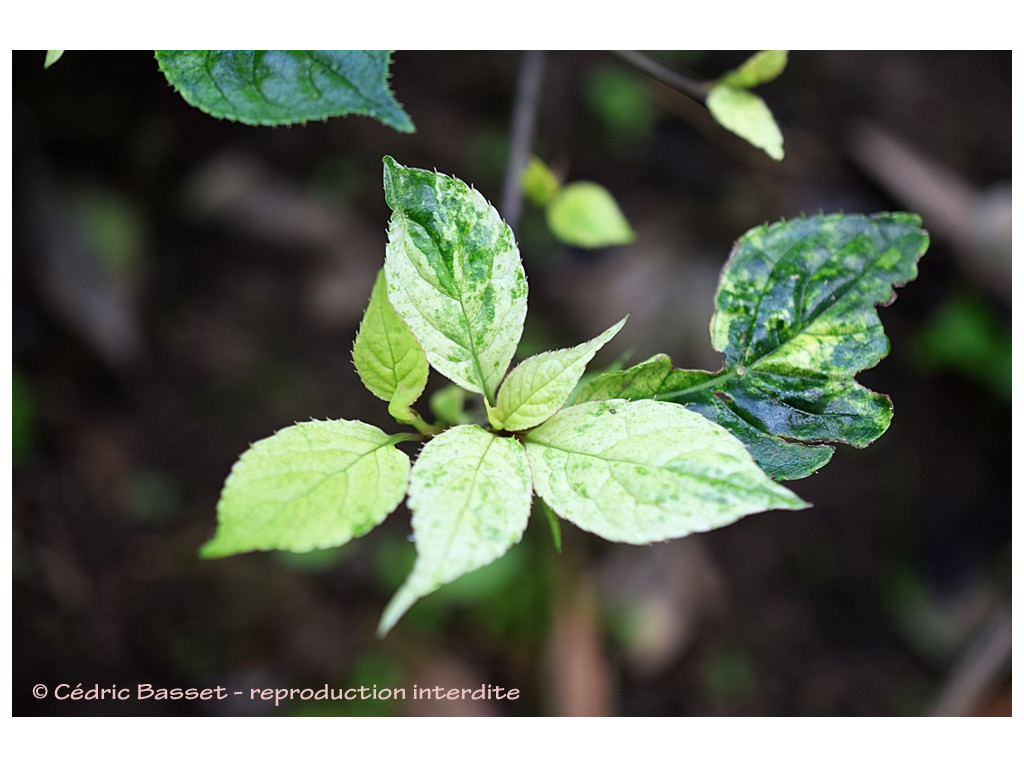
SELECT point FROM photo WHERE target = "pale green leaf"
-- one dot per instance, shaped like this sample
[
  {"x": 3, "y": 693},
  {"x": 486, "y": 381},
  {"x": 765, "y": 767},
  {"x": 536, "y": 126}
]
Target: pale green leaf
[
  {"x": 584, "y": 214},
  {"x": 454, "y": 275},
  {"x": 746, "y": 115},
  {"x": 387, "y": 356},
  {"x": 539, "y": 183},
  {"x": 312, "y": 485},
  {"x": 286, "y": 87},
  {"x": 470, "y": 499},
  {"x": 796, "y": 321},
  {"x": 646, "y": 471},
  {"x": 759, "y": 68},
  {"x": 541, "y": 384},
  {"x": 52, "y": 57}
]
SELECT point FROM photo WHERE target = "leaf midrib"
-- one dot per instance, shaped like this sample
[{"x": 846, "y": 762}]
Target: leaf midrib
[
  {"x": 474, "y": 355},
  {"x": 732, "y": 372},
  {"x": 465, "y": 505}
]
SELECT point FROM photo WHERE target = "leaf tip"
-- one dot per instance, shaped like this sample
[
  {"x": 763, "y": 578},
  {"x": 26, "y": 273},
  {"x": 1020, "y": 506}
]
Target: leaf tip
[
  {"x": 403, "y": 600},
  {"x": 213, "y": 550}
]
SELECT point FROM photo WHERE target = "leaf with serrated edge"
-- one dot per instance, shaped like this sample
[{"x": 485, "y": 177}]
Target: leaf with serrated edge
[
  {"x": 585, "y": 214},
  {"x": 646, "y": 471},
  {"x": 796, "y": 321},
  {"x": 656, "y": 378},
  {"x": 312, "y": 485},
  {"x": 286, "y": 87},
  {"x": 540, "y": 385},
  {"x": 454, "y": 276},
  {"x": 759, "y": 68},
  {"x": 388, "y": 359},
  {"x": 746, "y": 115},
  {"x": 470, "y": 499}
]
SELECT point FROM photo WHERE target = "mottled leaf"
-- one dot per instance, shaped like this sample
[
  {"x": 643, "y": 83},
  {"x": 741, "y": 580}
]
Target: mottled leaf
[
  {"x": 585, "y": 214},
  {"x": 541, "y": 384},
  {"x": 454, "y": 275},
  {"x": 470, "y": 499},
  {"x": 746, "y": 115},
  {"x": 646, "y": 471},
  {"x": 312, "y": 485},
  {"x": 796, "y": 321},
  {"x": 656, "y": 378},
  {"x": 759, "y": 68},
  {"x": 286, "y": 87},
  {"x": 387, "y": 356}
]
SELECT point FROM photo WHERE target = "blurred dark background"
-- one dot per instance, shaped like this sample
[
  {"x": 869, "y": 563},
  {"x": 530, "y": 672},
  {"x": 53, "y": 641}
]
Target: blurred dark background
[{"x": 184, "y": 286}]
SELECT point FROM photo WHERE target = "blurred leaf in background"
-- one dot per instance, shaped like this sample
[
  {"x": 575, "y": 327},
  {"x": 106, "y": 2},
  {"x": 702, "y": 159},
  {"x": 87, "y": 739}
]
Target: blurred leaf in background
[
  {"x": 540, "y": 185},
  {"x": 507, "y": 598},
  {"x": 585, "y": 214},
  {"x": 966, "y": 337},
  {"x": 729, "y": 675},
  {"x": 619, "y": 100},
  {"x": 582, "y": 214},
  {"x": 23, "y": 420},
  {"x": 113, "y": 229}
]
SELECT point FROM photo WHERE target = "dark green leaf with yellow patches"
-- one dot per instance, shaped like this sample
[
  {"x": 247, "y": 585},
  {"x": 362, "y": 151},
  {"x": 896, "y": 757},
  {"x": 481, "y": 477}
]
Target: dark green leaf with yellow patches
[
  {"x": 796, "y": 321},
  {"x": 454, "y": 276}
]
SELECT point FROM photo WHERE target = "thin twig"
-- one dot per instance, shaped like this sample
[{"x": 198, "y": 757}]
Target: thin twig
[
  {"x": 524, "y": 117},
  {"x": 695, "y": 90}
]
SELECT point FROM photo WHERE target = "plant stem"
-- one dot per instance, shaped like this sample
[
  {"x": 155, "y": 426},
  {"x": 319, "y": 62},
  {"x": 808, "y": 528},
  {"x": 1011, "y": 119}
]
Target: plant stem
[
  {"x": 524, "y": 117},
  {"x": 696, "y": 90}
]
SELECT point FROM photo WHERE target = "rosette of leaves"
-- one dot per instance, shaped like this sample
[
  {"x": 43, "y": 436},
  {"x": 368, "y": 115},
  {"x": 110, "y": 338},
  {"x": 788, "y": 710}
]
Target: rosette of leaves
[{"x": 452, "y": 296}]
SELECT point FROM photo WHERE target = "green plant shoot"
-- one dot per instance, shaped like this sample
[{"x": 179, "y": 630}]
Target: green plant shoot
[{"x": 641, "y": 455}]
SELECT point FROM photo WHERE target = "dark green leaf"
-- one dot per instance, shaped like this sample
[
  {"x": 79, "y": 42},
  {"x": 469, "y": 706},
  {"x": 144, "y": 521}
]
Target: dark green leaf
[
  {"x": 796, "y": 321},
  {"x": 286, "y": 87}
]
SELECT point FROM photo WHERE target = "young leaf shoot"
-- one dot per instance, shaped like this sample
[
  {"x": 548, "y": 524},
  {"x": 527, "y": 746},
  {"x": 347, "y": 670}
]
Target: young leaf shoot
[{"x": 643, "y": 455}]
